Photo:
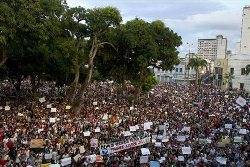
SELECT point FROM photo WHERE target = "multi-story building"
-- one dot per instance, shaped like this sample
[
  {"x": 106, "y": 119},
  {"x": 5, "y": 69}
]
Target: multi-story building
[
  {"x": 212, "y": 49},
  {"x": 238, "y": 61}
]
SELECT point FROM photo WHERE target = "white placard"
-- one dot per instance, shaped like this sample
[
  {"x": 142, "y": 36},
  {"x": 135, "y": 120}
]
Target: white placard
[
  {"x": 41, "y": 100},
  {"x": 131, "y": 108},
  {"x": 137, "y": 127},
  {"x": 181, "y": 138},
  {"x": 186, "y": 150},
  {"x": 76, "y": 158},
  {"x": 165, "y": 140},
  {"x": 145, "y": 151},
  {"x": 228, "y": 126},
  {"x": 241, "y": 101},
  {"x": 147, "y": 125},
  {"x": 97, "y": 130},
  {"x": 47, "y": 156},
  {"x": 143, "y": 159},
  {"x": 221, "y": 160},
  {"x": 127, "y": 133},
  {"x": 66, "y": 161},
  {"x": 238, "y": 139},
  {"x": 181, "y": 158},
  {"x": 20, "y": 115},
  {"x": 105, "y": 117},
  {"x": 49, "y": 106},
  {"x": 95, "y": 103},
  {"x": 54, "y": 165},
  {"x": 157, "y": 144},
  {"x": 52, "y": 120},
  {"x": 82, "y": 149},
  {"x": 132, "y": 128},
  {"x": 244, "y": 120},
  {"x": 186, "y": 129},
  {"x": 7, "y": 108},
  {"x": 94, "y": 143},
  {"x": 87, "y": 133},
  {"x": 243, "y": 131},
  {"x": 39, "y": 130},
  {"x": 68, "y": 107},
  {"x": 53, "y": 109}
]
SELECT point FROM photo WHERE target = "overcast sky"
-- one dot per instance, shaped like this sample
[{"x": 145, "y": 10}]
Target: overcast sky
[{"x": 192, "y": 19}]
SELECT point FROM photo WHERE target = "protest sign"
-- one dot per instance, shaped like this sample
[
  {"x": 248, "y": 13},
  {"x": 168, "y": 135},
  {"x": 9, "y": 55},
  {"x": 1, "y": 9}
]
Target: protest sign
[
  {"x": 154, "y": 164},
  {"x": 47, "y": 156},
  {"x": 7, "y": 108},
  {"x": 68, "y": 107},
  {"x": 36, "y": 143},
  {"x": 143, "y": 159},
  {"x": 82, "y": 149},
  {"x": 241, "y": 101},
  {"x": 77, "y": 157},
  {"x": 127, "y": 133},
  {"x": 186, "y": 150},
  {"x": 158, "y": 144},
  {"x": 228, "y": 126},
  {"x": 181, "y": 158},
  {"x": 221, "y": 160},
  {"x": 54, "y": 165},
  {"x": 41, "y": 100},
  {"x": 94, "y": 143},
  {"x": 49, "y": 106},
  {"x": 52, "y": 120},
  {"x": 147, "y": 125},
  {"x": 97, "y": 130},
  {"x": 116, "y": 147},
  {"x": 243, "y": 131},
  {"x": 53, "y": 109},
  {"x": 66, "y": 161},
  {"x": 132, "y": 128},
  {"x": 87, "y": 133},
  {"x": 145, "y": 151},
  {"x": 181, "y": 138},
  {"x": 238, "y": 139},
  {"x": 95, "y": 103}
]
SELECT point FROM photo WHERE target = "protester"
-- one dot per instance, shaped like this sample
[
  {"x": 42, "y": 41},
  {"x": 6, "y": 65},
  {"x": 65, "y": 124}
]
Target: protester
[{"x": 173, "y": 125}]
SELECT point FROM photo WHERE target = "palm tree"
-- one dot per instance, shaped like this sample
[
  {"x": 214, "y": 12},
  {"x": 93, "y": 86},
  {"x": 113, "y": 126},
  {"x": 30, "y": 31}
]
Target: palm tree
[{"x": 197, "y": 63}]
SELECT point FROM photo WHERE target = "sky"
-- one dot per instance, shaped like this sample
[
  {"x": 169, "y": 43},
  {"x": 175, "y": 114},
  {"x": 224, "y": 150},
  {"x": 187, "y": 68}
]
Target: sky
[{"x": 191, "y": 19}]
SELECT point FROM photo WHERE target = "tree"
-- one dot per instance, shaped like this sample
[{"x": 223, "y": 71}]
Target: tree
[
  {"x": 98, "y": 22},
  {"x": 197, "y": 63},
  {"x": 139, "y": 45},
  {"x": 27, "y": 30}
]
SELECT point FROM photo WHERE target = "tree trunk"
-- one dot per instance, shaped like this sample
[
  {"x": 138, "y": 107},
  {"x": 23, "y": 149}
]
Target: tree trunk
[
  {"x": 88, "y": 78},
  {"x": 197, "y": 77},
  {"x": 3, "y": 59},
  {"x": 75, "y": 83}
]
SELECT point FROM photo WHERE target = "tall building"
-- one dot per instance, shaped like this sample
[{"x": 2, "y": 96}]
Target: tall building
[
  {"x": 212, "y": 49},
  {"x": 238, "y": 62}
]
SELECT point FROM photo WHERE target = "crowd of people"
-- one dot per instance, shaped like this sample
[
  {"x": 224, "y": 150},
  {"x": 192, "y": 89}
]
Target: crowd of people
[{"x": 172, "y": 125}]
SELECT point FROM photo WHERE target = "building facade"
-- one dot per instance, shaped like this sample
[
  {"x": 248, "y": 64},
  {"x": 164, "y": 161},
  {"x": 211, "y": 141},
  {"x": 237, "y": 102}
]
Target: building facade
[
  {"x": 212, "y": 49},
  {"x": 238, "y": 61},
  {"x": 180, "y": 73}
]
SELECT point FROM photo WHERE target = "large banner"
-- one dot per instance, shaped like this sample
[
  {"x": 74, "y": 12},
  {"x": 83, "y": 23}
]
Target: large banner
[{"x": 113, "y": 148}]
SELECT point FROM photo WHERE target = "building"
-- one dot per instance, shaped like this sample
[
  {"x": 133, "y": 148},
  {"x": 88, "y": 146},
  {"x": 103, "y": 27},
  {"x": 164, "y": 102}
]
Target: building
[
  {"x": 181, "y": 73},
  {"x": 238, "y": 61},
  {"x": 212, "y": 49}
]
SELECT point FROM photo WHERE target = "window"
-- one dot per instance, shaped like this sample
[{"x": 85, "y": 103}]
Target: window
[
  {"x": 180, "y": 70},
  {"x": 241, "y": 86},
  {"x": 243, "y": 71},
  {"x": 176, "y": 69},
  {"x": 232, "y": 71}
]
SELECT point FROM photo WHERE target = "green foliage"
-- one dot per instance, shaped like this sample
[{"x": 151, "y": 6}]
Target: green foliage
[
  {"x": 150, "y": 82},
  {"x": 197, "y": 63}
]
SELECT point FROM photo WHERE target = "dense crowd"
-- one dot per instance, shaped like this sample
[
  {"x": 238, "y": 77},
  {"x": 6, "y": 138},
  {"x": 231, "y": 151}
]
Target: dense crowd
[{"x": 172, "y": 125}]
